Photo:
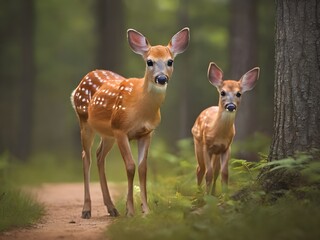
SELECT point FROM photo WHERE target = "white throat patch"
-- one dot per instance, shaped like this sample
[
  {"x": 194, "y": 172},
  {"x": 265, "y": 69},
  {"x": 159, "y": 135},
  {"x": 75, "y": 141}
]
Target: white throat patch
[{"x": 157, "y": 88}]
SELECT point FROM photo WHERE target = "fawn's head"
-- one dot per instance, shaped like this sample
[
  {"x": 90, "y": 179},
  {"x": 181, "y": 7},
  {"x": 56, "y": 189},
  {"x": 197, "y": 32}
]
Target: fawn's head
[
  {"x": 231, "y": 90},
  {"x": 159, "y": 59}
]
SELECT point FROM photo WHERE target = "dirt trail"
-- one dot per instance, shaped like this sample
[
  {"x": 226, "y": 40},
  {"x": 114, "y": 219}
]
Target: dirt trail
[{"x": 63, "y": 204}]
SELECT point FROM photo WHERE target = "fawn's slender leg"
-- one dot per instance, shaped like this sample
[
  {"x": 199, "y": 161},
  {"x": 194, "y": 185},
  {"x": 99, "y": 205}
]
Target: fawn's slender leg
[
  {"x": 124, "y": 147},
  {"x": 86, "y": 140},
  {"x": 200, "y": 158},
  {"x": 104, "y": 148},
  {"x": 216, "y": 171},
  {"x": 143, "y": 147},
  {"x": 209, "y": 170},
  {"x": 224, "y": 170}
]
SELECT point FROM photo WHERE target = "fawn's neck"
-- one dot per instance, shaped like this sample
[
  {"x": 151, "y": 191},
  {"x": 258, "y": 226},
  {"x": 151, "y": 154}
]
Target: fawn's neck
[
  {"x": 148, "y": 99},
  {"x": 224, "y": 123},
  {"x": 153, "y": 94}
]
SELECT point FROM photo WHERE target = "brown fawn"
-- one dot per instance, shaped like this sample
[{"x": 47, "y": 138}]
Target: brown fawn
[
  {"x": 213, "y": 130},
  {"x": 121, "y": 109}
]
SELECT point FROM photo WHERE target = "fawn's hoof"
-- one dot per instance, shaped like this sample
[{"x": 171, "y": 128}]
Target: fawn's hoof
[
  {"x": 86, "y": 214},
  {"x": 145, "y": 210},
  {"x": 114, "y": 212},
  {"x": 129, "y": 213}
]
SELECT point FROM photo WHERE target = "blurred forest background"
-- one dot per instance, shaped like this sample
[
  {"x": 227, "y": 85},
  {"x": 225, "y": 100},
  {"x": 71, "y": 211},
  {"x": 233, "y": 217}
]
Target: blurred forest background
[{"x": 48, "y": 46}]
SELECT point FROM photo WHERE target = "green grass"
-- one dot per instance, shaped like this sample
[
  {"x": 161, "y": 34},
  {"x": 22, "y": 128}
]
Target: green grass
[{"x": 17, "y": 209}]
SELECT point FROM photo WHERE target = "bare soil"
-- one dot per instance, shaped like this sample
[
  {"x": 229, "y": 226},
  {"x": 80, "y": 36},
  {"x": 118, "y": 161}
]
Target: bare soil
[{"x": 63, "y": 205}]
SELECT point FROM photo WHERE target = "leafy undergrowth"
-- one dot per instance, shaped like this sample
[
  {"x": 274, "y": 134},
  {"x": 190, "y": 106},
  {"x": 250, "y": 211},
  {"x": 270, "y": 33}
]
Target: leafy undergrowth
[
  {"x": 179, "y": 210},
  {"x": 183, "y": 217}
]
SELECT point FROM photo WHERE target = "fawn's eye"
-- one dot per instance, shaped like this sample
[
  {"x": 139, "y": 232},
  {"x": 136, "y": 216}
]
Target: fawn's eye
[
  {"x": 222, "y": 93},
  {"x": 170, "y": 63},
  {"x": 149, "y": 63},
  {"x": 238, "y": 94}
]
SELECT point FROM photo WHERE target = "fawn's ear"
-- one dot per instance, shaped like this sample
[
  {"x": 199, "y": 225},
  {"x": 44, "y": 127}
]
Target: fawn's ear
[
  {"x": 215, "y": 75},
  {"x": 138, "y": 43},
  {"x": 179, "y": 42},
  {"x": 249, "y": 79}
]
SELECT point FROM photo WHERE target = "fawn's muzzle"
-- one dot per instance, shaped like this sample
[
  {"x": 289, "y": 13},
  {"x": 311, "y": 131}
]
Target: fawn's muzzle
[
  {"x": 161, "y": 79},
  {"x": 230, "y": 107}
]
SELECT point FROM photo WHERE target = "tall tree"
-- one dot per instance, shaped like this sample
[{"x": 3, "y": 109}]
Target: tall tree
[
  {"x": 243, "y": 57},
  {"x": 297, "y": 78},
  {"x": 27, "y": 80},
  {"x": 110, "y": 34}
]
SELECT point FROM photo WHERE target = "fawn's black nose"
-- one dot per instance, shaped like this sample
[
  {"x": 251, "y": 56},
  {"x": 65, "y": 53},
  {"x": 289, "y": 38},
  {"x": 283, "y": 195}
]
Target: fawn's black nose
[
  {"x": 230, "y": 107},
  {"x": 161, "y": 79}
]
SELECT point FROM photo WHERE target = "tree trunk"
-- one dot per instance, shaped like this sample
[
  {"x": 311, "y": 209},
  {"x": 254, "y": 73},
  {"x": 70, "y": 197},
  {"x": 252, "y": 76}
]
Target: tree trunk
[
  {"x": 297, "y": 78},
  {"x": 111, "y": 34},
  {"x": 28, "y": 72},
  {"x": 243, "y": 57}
]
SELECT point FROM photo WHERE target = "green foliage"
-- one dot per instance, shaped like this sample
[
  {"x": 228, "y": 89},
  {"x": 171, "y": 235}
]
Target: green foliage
[
  {"x": 293, "y": 173},
  {"x": 174, "y": 218},
  {"x": 179, "y": 210},
  {"x": 17, "y": 209},
  {"x": 287, "y": 219},
  {"x": 244, "y": 171}
]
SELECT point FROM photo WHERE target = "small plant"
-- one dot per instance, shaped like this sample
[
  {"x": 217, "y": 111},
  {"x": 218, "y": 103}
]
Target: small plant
[{"x": 246, "y": 169}]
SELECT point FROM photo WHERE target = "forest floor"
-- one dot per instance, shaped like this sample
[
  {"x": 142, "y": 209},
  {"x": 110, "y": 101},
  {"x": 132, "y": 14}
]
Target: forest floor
[{"x": 62, "y": 219}]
